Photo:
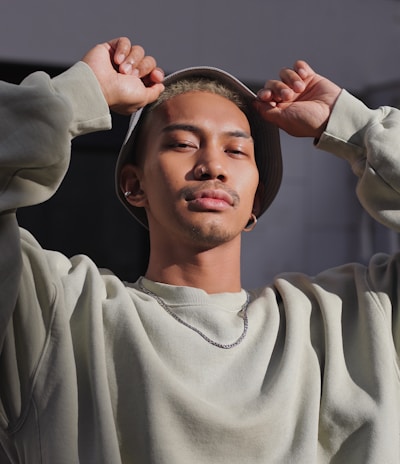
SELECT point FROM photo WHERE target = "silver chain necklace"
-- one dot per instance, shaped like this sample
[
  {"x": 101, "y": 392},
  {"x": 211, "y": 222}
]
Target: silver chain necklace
[{"x": 242, "y": 313}]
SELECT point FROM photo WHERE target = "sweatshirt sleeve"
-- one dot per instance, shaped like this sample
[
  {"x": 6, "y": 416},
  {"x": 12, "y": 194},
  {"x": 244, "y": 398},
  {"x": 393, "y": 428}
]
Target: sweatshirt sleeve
[
  {"x": 370, "y": 141},
  {"x": 39, "y": 118}
]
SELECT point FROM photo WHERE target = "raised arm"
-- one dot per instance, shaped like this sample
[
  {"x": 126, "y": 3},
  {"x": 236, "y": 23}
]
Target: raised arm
[
  {"x": 41, "y": 116},
  {"x": 305, "y": 104},
  {"x": 38, "y": 119}
]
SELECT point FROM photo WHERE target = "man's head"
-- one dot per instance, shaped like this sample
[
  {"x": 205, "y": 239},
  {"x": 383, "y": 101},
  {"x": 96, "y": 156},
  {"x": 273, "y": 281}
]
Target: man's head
[{"x": 207, "y": 82}]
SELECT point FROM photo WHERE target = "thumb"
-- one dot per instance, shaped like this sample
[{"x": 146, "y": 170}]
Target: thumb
[
  {"x": 133, "y": 98},
  {"x": 270, "y": 112},
  {"x": 153, "y": 92}
]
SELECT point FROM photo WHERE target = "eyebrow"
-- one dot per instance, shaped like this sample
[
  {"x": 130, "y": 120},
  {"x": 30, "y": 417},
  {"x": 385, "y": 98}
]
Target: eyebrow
[{"x": 197, "y": 130}]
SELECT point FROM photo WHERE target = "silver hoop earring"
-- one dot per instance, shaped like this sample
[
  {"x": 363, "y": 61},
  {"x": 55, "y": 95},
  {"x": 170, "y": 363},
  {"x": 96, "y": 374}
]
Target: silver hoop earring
[
  {"x": 127, "y": 194},
  {"x": 251, "y": 224}
]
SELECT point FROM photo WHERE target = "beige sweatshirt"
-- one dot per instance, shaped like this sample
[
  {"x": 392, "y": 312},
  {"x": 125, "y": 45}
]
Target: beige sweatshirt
[{"x": 93, "y": 370}]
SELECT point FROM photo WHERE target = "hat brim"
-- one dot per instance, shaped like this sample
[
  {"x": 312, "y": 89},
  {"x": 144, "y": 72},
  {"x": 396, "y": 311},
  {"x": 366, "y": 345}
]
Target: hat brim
[{"x": 265, "y": 135}]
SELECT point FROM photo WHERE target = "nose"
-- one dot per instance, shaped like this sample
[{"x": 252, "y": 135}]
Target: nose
[{"x": 211, "y": 165}]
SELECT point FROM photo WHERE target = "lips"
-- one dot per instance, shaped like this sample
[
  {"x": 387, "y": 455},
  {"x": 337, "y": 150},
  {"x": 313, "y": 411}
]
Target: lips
[
  {"x": 218, "y": 194},
  {"x": 210, "y": 198}
]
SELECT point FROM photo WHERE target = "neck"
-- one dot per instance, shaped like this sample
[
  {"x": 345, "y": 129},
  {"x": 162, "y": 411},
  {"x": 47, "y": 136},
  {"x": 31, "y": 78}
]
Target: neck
[{"x": 215, "y": 270}]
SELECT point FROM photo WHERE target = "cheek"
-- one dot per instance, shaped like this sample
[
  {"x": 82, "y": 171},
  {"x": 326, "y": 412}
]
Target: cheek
[
  {"x": 162, "y": 181},
  {"x": 248, "y": 184}
]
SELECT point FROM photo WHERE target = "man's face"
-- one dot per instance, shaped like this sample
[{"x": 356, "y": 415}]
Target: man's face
[{"x": 198, "y": 174}]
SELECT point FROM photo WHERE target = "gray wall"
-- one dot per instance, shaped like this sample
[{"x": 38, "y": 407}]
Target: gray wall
[
  {"x": 316, "y": 221},
  {"x": 355, "y": 42}
]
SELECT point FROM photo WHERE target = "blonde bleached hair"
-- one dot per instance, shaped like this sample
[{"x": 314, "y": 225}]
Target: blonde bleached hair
[{"x": 200, "y": 84}]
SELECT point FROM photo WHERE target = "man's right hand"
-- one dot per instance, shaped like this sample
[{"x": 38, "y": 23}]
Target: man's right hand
[{"x": 128, "y": 78}]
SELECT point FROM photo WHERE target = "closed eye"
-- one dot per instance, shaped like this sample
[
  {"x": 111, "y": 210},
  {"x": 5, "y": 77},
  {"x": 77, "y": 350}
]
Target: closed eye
[
  {"x": 181, "y": 145},
  {"x": 234, "y": 152},
  {"x": 238, "y": 151},
  {"x": 239, "y": 144}
]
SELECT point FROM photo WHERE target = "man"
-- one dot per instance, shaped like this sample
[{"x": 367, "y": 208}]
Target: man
[{"x": 185, "y": 366}]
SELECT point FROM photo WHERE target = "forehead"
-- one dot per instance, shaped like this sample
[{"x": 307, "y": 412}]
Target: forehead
[{"x": 201, "y": 107}]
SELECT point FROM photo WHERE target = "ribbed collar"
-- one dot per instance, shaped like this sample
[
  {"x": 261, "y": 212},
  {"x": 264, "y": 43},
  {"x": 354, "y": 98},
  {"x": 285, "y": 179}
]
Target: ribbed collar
[{"x": 175, "y": 296}]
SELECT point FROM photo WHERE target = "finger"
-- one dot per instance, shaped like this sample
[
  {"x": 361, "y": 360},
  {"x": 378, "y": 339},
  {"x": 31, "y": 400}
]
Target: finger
[
  {"x": 265, "y": 94},
  {"x": 146, "y": 66},
  {"x": 275, "y": 91},
  {"x": 120, "y": 48},
  {"x": 303, "y": 69},
  {"x": 132, "y": 60},
  {"x": 292, "y": 79},
  {"x": 156, "y": 76}
]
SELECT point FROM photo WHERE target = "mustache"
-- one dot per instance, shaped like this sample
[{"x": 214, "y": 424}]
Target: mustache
[{"x": 189, "y": 193}]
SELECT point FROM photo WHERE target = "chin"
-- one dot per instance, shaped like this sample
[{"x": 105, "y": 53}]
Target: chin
[{"x": 210, "y": 235}]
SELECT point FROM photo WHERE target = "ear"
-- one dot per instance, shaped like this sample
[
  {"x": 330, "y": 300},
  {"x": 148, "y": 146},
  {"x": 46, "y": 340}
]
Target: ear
[{"x": 130, "y": 181}]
